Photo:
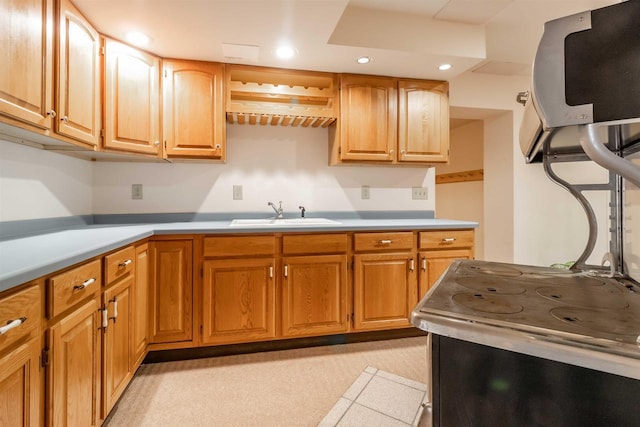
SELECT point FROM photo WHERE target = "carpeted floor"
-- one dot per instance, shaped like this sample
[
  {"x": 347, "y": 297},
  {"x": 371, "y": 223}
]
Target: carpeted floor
[{"x": 280, "y": 388}]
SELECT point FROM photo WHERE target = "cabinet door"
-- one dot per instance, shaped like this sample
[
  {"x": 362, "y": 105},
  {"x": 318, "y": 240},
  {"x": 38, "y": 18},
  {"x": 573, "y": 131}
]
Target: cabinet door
[
  {"x": 314, "y": 295},
  {"x": 385, "y": 290},
  {"x": 20, "y": 385},
  {"x": 74, "y": 369},
  {"x": 193, "y": 114},
  {"x": 140, "y": 299},
  {"x": 117, "y": 339},
  {"x": 423, "y": 124},
  {"x": 132, "y": 99},
  {"x": 170, "y": 300},
  {"x": 238, "y": 301},
  {"x": 368, "y": 118},
  {"x": 434, "y": 263},
  {"x": 78, "y": 77},
  {"x": 26, "y": 53}
]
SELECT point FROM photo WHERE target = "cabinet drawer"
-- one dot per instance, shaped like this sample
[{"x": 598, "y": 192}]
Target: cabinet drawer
[
  {"x": 239, "y": 245},
  {"x": 314, "y": 243},
  {"x": 445, "y": 239},
  {"x": 383, "y": 241},
  {"x": 119, "y": 264},
  {"x": 20, "y": 315},
  {"x": 68, "y": 288}
]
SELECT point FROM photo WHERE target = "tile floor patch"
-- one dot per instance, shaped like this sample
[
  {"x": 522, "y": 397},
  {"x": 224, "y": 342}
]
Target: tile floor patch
[{"x": 378, "y": 398}]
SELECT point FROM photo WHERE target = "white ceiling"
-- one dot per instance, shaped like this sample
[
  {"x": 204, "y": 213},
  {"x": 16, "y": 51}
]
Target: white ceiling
[{"x": 404, "y": 38}]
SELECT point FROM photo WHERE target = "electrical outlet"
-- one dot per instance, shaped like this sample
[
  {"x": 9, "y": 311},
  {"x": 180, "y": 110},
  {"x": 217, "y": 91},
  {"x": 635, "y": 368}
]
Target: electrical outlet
[
  {"x": 419, "y": 193},
  {"x": 136, "y": 191},
  {"x": 364, "y": 192},
  {"x": 237, "y": 192}
]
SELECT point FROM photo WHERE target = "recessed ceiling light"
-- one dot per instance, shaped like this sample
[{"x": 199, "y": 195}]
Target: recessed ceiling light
[
  {"x": 285, "y": 52},
  {"x": 363, "y": 60},
  {"x": 444, "y": 67},
  {"x": 137, "y": 38}
]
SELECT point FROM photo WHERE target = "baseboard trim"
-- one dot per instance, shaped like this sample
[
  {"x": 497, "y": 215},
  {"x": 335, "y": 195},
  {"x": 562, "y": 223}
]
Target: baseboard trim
[{"x": 287, "y": 344}]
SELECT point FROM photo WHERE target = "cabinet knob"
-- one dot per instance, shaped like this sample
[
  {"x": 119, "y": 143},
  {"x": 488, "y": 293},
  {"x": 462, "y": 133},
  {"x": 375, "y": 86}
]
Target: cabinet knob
[
  {"x": 402, "y": 152},
  {"x": 65, "y": 119},
  {"x": 51, "y": 113},
  {"x": 156, "y": 143},
  {"x": 391, "y": 151},
  {"x": 218, "y": 147}
]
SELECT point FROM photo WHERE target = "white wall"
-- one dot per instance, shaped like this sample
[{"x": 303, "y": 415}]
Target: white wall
[
  {"x": 272, "y": 164},
  {"x": 464, "y": 200},
  {"x": 36, "y": 183}
]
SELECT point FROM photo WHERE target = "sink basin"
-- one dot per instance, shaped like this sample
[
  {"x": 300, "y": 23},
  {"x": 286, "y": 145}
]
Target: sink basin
[{"x": 287, "y": 222}]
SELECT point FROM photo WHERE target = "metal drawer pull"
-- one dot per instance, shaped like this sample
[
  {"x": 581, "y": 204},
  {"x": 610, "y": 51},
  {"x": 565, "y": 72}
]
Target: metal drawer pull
[
  {"x": 286, "y": 271},
  {"x": 412, "y": 265},
  {"x": 84, "y": 284},
  {"x": 424, "y": 264},
  {"x": 448, "y": 240},
  {"x": 11, "y": 324},
  {"x": 105, "y": 318},
  {"x": 271, "y": 272},
  {"x": 124, "y": 263},
  {"x": 386, "y": 242}
]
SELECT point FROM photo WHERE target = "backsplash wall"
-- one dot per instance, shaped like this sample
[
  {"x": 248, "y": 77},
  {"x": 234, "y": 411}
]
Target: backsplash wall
[{"x": 271, "y": 164}]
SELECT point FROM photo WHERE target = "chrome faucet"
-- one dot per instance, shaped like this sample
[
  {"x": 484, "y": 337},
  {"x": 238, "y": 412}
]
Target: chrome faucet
[{"x": 279, "y": 211}]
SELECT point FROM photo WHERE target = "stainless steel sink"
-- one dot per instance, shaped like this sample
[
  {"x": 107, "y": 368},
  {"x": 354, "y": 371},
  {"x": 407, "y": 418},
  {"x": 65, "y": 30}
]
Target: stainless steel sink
[{"x": 287, "y": 222}]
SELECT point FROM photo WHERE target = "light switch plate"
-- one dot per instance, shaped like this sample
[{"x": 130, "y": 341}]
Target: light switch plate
[
  {"x": 419, "y": 193},
  {"x": 237, "y": 192},
  {"x": 136, "y": 191}
]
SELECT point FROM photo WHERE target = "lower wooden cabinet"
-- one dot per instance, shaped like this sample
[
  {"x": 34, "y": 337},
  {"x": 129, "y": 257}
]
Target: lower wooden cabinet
[
  {"x": 74, "y": 373},
  {"x": 140, "y": 305},
  {"x": 385, "y": 290},
  {"x": 434, "y": 263},
  {"x": 314, "y": 295},
  {"x": 20, "y": 402},
  {"x": 117, "y": 341},
  {"x": 171, "y": 293},
  {"x": 238, "y": 300}
]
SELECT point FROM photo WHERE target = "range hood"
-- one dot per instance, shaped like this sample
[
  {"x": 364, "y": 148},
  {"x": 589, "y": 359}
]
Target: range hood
[{"x": 586, "y": 71}]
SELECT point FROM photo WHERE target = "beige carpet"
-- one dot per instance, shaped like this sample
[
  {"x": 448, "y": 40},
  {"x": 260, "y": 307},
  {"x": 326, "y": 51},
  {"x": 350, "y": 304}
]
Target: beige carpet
[{"x": 280, "y": 388}]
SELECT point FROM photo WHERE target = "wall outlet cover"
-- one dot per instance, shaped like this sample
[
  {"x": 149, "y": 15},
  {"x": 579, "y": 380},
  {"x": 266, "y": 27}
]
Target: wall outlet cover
[
  {"x": 364, "y": 192},
  {"x": 419, "y": 193},
  {"x": 136, "y": 191},
  {"x": 237, "y": 192}
]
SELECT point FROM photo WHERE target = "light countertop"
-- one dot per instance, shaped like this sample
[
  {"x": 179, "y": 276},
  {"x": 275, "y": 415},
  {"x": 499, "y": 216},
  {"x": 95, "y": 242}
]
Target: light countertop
[{"x": 27, "y": 258}]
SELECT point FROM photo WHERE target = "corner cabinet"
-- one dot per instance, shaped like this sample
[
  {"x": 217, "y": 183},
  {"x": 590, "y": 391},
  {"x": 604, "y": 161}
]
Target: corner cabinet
[
  {"x": 131, "y": 99},
  {"x": 385, "y": 120},
  {"x": 171, "y": 291},
  {"x": 193, "y": 111},
  {"x": 26, "y": 46}
]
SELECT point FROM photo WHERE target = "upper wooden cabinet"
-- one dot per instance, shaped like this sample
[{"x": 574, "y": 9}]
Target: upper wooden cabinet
[
  {"x": 78, "y": 103},
  {"x": 132, "y": 99},
  {"x": 26, "y": 50},
  {"x": 423, "y": 121},
  {"x": 368, "y": 118},
  {"x": 386, "y": 120},
  {"x": 193, "y": 111}
]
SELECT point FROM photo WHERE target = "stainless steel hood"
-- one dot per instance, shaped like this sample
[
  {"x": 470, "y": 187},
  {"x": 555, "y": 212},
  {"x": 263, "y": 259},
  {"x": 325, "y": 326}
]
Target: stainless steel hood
[{"x": 585, "y": 71}]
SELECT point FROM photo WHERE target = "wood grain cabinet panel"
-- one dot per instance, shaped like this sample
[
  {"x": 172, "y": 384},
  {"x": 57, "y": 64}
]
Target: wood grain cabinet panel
[
  {"x": 132, "y": 99},
  {"x": 434, "y": 263},
  {"x": 117, "y": 371},
  {"x": 385, "y": 290},
  {"x": 74, "y": 372},
  {"x": 72, "y": 286},
  {"x": 20, "y": 403},
  {"x": 25, "y": 305},
  {"x": 78, "y": 101},
  {"x": 26, "y": 50},
  {"x": 238, "y": 301},
  {"x": 314, "y": 295},
  {"x": 193, "y": 112},
  {"x": 423, "y": 121},
  {"x": 140, "y": 305},
  {"x": 170, "y": 299},
  {"x": 368, "y": 118}
]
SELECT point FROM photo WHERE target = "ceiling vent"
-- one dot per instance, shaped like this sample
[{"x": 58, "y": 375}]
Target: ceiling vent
[{"x": 240, "y": 52}]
